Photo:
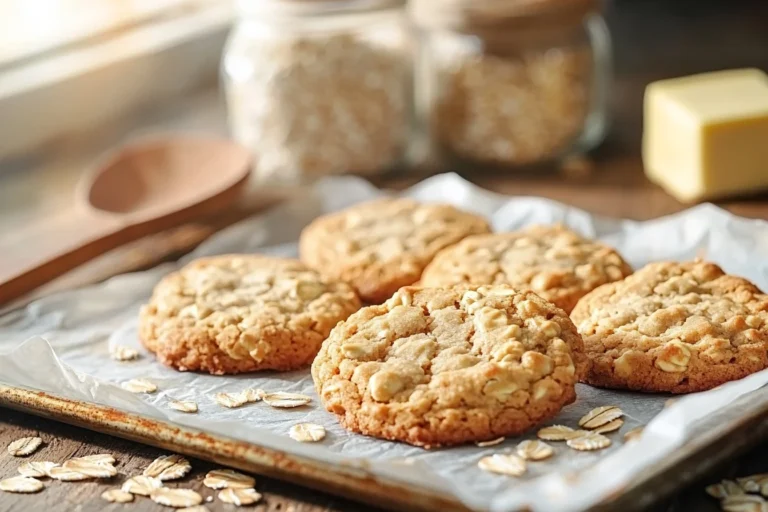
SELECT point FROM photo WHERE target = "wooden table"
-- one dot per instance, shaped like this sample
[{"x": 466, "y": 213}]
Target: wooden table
[{"x": 653, "y": 39}]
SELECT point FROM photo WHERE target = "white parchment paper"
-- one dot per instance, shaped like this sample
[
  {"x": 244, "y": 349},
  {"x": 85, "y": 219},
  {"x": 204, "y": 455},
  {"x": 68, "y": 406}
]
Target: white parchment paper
[{"x": 60, "y": 344}]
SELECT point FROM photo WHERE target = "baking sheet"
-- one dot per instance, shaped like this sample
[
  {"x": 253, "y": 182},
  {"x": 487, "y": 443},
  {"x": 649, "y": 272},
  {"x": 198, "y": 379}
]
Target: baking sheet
[{"x": 60, "y": 344}]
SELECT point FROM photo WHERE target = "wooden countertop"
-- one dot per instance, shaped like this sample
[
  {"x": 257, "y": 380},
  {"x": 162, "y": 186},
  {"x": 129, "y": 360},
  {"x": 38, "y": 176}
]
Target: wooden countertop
[{"x": 653, "y": 39}]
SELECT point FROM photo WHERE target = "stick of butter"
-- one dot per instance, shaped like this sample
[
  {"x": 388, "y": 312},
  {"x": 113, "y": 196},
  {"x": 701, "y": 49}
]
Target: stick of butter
[{"x": 706, "y": 136}]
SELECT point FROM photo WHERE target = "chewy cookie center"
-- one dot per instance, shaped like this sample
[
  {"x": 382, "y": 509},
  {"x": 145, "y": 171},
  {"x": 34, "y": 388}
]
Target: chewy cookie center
[{"x": 499, "y": 345}]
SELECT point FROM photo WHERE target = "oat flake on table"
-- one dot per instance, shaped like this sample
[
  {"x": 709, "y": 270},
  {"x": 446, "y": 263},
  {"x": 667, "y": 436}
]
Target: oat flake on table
[
  {"x": 141, "y": 485},
  {"x": 24, "y": 446},
  {"x": 176, "y": 497},
  {"x": 228, "y": 478},
  {"x": 239, "y": 497},
  {"x": 36, "y": 469},
  {"x": 172, "y": 463},
  {"x": 66, "y": 475},
  {"x": 90, "y": 468},
  {"x": 103, "y": 458},
  {"x": 21, "y": 485}
]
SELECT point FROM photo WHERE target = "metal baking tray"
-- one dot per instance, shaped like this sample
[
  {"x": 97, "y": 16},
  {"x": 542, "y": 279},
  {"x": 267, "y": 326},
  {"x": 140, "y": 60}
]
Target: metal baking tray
[{"x": 748, "y": 425}]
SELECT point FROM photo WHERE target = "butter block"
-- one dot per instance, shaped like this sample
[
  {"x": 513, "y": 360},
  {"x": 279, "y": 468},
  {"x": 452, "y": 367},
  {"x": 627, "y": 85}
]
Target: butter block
[{"x": 706, "y": 136}]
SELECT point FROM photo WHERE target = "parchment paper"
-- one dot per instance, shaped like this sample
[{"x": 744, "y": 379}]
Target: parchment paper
[{"x": 60, "y": 344}]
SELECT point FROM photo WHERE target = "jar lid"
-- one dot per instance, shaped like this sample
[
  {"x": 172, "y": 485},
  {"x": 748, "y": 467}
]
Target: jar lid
[
  {"x": 494, "y": 14},
  {"x": 313, "y": 7}
]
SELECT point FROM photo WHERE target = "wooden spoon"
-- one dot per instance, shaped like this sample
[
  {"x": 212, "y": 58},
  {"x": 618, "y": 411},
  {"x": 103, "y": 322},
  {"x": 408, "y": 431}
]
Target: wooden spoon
[{"x": 139, "y": 190}]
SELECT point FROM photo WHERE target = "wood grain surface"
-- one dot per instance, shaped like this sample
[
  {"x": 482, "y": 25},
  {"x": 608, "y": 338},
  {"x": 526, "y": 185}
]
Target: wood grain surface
[
  {"x": 653, "y": 39},
  {"x": 62, "y": 442}
]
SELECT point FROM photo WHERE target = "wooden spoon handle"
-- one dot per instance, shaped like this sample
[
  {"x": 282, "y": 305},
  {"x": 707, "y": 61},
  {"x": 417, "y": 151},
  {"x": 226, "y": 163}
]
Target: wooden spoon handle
[{"x": 39, "y": 254}]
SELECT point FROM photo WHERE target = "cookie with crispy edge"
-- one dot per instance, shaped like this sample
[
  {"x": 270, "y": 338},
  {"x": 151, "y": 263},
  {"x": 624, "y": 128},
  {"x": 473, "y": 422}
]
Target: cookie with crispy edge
[
  {"x": 444, "y": 366},
  {"x": 556, "y": 263},
  {"x": 241, "y": 313},
  {"x": 674, "y": 327},
  {"x": 382, "y": 245}
]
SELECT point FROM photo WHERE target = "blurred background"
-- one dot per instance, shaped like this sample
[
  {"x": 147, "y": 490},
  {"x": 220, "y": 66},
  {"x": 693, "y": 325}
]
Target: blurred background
[{"x": 527, "y": 97}]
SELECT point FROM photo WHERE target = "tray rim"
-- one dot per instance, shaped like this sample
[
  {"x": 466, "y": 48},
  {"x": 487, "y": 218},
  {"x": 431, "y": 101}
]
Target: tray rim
[
  {"x": 354, "y": 482},
  {"x": 348, "y": 481}
]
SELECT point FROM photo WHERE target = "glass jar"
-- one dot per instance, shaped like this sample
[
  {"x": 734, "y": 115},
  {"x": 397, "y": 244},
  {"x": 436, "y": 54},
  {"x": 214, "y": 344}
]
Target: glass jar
[
  {"x": 512, "y": 82},
  {"x": 320, "y": 87}
]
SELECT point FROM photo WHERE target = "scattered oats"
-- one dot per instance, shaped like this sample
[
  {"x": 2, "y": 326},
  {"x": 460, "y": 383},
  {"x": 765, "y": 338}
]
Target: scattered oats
[
  {"x": 66, "y": 475},
  {"x": 307, "y": 432},
  {"x": 178, "y": 498},
  {"x": 755, "y": 483},
  {"x": 611, "y": 426},
  {"x": 744, "y": 503},
  {"x": 600, "y": 416},
  {"x": 117, "y": 496},
  {"x": 142, "y": 485},
  {"x": 168, "y": 467},
  {"x": 239, "y": 497},
  {"x": 24, "y": 446},
  {"x": 724, "y": 489},
  {"x": 254, "y": 395},
  {"x": 511, "y": 465},
  {"x": 36, "y": 469},
  {"x": 227, "y": 478},
  {"x": 590, "y": 441},
  {"x": 555, "y": 433},
  {"x": 21, "y": 485},
  {"x": 492, "y": 442},
  {"x": 90, "y": 468},
  {"x": 208, "y": 499},
  {"x": 231, "y": 400},
  {"x": 197, "y": 508},
  {"x": 633, "y": 434},
  {"x": 286, "y": 400},
  {"x": 121, "y": 353},
  {"x": 182, "y": 406},
  {"x": 139, "y": 386},
  {"x": 534, "y": 450},
  {"x": 102, "y": 458}
]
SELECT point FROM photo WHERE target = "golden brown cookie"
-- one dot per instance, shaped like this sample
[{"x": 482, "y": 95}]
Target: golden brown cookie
[
  {"x": 240, "y": 313},
  {"x": 553, "y": 261},
  {"x": 382, "y": 245},
  {"x": 443, "y": 366},
  {"x": 674, "y": 327}
]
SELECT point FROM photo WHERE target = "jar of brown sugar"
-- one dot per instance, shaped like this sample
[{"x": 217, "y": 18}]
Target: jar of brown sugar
[
  {"x": 319, "y": 87},
  {"x": 512, "y": 82}
]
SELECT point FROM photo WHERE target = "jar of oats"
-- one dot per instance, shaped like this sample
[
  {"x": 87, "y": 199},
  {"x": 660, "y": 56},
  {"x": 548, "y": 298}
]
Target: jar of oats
[
  {"x": 317, "y": 87},
  {"x": 512, "y": 82}
]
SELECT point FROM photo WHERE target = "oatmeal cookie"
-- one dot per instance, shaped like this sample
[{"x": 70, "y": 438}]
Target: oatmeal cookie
[
  {"x": 554, "y": 262},
  {"x": 443, "y": 366},
  {"x": 674, "y": 327},
  {"x": 240, "y": 313},
  {"x": 382, "y": 245}
]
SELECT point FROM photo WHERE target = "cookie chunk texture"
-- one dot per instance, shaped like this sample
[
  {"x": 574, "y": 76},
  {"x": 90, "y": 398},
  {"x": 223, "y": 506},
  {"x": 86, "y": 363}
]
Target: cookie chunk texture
[
  {"x": 382, "y": 245},
  {"x": 674, "y": 327},
  {"x": 443, "y": 366},
  {"x": 240, "y": 313},
  {"x": 556, "y": 263}
]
